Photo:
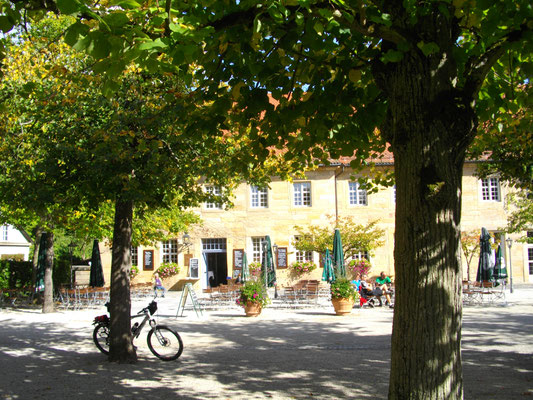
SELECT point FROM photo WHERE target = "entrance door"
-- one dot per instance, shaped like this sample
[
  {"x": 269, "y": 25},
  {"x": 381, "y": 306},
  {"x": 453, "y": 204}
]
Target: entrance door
[
  {"x": 215, "y": 257},
  {"x": 217, "y": 268}
]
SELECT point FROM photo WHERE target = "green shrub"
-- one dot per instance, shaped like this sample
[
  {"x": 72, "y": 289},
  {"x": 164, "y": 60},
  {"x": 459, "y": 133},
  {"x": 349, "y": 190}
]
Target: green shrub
[
  {"x": 254, "y": 292},
  {"x": 342, "y": 288}
]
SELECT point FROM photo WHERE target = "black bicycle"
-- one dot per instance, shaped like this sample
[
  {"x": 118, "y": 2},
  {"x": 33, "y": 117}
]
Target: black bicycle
[{"x": 163, "y": 342}]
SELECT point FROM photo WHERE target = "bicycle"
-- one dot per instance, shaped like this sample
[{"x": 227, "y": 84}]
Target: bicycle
[{"x": 163, "y": 342}]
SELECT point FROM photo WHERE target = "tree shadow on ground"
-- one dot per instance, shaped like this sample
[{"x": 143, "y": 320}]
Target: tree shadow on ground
[
  {"x": 222, "y": 359},
  {"x": 496, "y": 352}
]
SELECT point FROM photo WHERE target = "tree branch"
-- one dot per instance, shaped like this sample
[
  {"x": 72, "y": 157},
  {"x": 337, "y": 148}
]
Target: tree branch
[{"x": 479, "y": 67}]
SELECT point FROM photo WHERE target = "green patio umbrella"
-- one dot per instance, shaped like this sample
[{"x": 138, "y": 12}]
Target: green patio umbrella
[
  {"x": 500, "y": 270},
  {"x": 485, "y": 267},
  {"x": 267, "y": 264},
  {"x": 245, "y": 274},
  {"x": 96, "y": 277},
  {"x": 338, "y": 255},
  {"x": 39, "y": 279},
  {"x": 328, "y": 275}
]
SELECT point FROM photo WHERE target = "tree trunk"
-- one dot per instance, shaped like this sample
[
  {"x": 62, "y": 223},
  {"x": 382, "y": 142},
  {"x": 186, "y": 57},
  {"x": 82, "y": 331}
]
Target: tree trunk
[
  {"x": 121, "y": 347},
  {"x": 35, "y": 259},
  {"x": 48, "y": 300},
  {"x": 429, "y": 125}
]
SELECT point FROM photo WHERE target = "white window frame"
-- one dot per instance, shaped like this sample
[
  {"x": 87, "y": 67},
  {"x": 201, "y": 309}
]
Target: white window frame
[
  {"x": 491, "y": 189},
  {"x": 356, "y": 195},
  {"x": 5, "y": 234},
  {"x": 257, "y": 248},
  {"x": 215, "y": 190},
  {"x": 358, "y": 255},
  {"x": 213, "y": 245},
  {"x": 169, "y": 251},
  {"x": 135, "y": 256},
  {"x": 529, "y": 256},
  {"x": 302, "y": 194},
  {"x": 258, "y": 197}
]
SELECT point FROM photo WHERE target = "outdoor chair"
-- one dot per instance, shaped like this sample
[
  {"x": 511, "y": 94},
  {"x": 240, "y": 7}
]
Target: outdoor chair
[
  {"x": 491, "y": 293},
  {"x": 290, "y": 297},
  {"x": 471, "y": 293}
]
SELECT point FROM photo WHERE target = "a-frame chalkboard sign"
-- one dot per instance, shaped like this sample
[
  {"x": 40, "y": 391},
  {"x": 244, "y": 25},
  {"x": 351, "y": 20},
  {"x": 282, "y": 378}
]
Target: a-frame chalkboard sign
[{"x": 188, "y": 291}]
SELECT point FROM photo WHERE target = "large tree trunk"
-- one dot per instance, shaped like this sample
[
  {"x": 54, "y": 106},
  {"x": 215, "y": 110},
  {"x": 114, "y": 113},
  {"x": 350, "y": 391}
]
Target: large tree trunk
[
  {"x": 48, "y": 300},
  {"x": 121, "y": 347},
  {"x": 429, "y": 125}
]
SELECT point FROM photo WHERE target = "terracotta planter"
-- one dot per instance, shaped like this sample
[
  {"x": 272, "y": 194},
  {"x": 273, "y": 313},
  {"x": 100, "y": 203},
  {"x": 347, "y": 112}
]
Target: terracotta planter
[
  {"x": 342, "y": 306},
  {"x": 252, "y": 309}
]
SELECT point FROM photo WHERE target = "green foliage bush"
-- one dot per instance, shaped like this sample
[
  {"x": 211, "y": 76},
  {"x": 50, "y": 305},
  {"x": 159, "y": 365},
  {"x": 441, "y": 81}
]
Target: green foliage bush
[
  {"x": 343, "y": 289},
  {"x": 253, "y": 291},
  {"x": 15, "y": 274}
]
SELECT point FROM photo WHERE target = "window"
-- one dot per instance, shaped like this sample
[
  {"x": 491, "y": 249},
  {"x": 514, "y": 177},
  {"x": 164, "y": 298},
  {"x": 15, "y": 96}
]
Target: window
[
  {"x": 257, "y": 248},
  {"x": 530, "y": 259},
  {"x": 135, "y": 256},
  {"x": 357, "y": 255},
  {"x": 530, "y": 253},
  {"x": 214, "y": 190},
  {"x": 302, "y": 194},
  {"x": 170, "y": 251},
  {"x": 302, "y": 256},
  {"x": 357, "y": 195},
  {"x": 259, "y": 197},
  {"x": 490, "y": 189},
  {"x": 213, "y": 245},
  {"x": 4, "y": 233}
]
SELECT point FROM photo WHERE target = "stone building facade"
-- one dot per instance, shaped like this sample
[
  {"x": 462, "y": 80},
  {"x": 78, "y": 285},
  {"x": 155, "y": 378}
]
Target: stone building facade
[{"x": 216, "y": 246}]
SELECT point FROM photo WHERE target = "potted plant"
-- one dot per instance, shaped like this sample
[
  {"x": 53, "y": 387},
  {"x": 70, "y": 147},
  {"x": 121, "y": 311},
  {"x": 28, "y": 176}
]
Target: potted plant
[
  {"x": 302, "y": 267},
  {"x": 361, "y": 266},
  {"x": 134, "y": 271},
  {"x": 254, "y": 268},
  {"x": 253, "y": 297},
  {"x": 167, "y": 270},
  {"x": 343, "y": 296}
]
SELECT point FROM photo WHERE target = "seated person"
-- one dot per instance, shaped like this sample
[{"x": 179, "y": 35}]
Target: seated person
[
  {"x": 357, "y": 281},
  {"x": 366, "y": 289},
  {"x": 158, "y": 285},
  {"x": 383, "y": 282}
]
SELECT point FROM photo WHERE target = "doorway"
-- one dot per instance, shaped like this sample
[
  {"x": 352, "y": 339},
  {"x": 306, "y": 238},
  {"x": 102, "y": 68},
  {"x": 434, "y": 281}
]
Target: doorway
[
  {"x": 217, "y": 269},
  {"x": 215, "y": 257}
]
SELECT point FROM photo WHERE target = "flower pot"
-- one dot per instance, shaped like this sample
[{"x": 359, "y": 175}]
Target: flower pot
[
  {"x": 252, "y": 309},
  {"x": 342, "y": 306}
]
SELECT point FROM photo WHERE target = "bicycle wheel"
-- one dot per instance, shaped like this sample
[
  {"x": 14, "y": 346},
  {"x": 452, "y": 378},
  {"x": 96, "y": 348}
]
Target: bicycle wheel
[
  {"x": 165, "y": 343},
  {"x": 101, "y": 338}
]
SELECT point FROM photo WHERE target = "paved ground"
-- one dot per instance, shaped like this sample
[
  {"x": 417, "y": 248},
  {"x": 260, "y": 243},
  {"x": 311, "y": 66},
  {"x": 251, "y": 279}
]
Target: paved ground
[{"x": 282, "y": 354}]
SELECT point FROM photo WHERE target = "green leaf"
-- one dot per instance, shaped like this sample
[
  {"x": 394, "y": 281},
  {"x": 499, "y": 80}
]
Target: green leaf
[
  {"x": 299, "y": 18},
  {"x": 68, "y": 6},
  {"x": 126, "y": 4},
  {"x": 319, "y": 28},
  {"x": 392, "y": 56},
  {"x": 99, "y": 47},
  {"x": 6, "y": 23},
  {"x": 257, "y": 25},
  {"x": 116, "y": 19},
  {"x": 74, "y": 31},
  {"x": 428, "y": 48},
  {"x": 158, "y": 43}
]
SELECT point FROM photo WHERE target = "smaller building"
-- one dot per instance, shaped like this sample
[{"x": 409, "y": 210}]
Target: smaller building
[{"x": 14, "y": 244}]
